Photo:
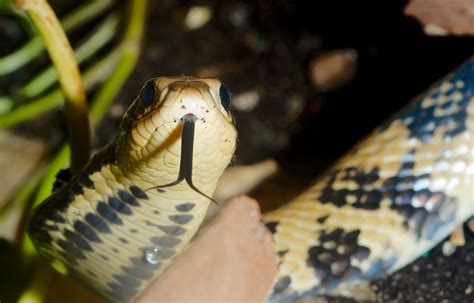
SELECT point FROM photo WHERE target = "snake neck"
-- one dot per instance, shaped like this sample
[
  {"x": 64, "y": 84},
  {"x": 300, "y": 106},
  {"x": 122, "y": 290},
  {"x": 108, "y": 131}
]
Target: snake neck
[
  {"x": 108, "y": 177},
  {"x": 122, "y": 223},
  {"x": 158, "y": 164}
]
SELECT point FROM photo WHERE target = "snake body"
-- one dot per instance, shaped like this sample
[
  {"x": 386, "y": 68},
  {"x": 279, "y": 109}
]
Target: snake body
[
  {"x": 391, "y": 198},
  {"x": 395, "y": 195},
  {"x": 133, "y": 208}
]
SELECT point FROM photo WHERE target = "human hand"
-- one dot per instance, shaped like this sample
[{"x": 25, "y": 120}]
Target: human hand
[{"x": 231, "y": 260}]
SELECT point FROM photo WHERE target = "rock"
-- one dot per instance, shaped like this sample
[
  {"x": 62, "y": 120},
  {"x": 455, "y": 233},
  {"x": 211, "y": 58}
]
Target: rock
[
  {"x": 19, "y": 159},
  {"x": 238, "y": 180},
  {"x": 330, "y": 70},
  {"x": 197, "y": 16},
  {"x": 441, "y": 17},
  {"x": 246, "y": 101}
]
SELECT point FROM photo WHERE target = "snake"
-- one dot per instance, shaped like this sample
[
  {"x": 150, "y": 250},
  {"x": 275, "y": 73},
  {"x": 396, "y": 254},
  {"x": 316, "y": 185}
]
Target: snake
[{"x": 121, "y": 221}]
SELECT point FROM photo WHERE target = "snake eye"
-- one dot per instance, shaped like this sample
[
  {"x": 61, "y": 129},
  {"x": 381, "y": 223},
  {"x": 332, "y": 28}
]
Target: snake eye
[
  {"x": 147, "y": 94},
  {"x": 224, "y": 94}
]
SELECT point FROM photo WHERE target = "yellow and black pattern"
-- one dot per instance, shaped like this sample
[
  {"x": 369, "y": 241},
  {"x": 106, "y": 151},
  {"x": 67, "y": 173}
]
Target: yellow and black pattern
[
  {"x": 115, "y": 226},
  {"x": 390, "y": 199},
  {"x": 138, "y": 203}
]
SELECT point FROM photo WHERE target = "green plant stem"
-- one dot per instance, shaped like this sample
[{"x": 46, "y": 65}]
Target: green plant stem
[
  {"x": 35, "y": 46},
  {"x": 41, "y": 280},
  {"x": 6, "y": 104},
  {"x": 69, "y": 77}
]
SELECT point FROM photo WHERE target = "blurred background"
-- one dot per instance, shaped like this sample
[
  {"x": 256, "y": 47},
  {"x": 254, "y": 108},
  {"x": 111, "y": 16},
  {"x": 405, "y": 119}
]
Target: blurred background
[{"x": 309, "y": 79}]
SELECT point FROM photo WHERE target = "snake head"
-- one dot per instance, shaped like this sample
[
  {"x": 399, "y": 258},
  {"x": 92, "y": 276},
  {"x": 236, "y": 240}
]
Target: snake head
[{"x": 151, "y": 131}]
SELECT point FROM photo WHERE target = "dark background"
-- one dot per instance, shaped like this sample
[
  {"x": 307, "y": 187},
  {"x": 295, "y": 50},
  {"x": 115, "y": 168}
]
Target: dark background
[{"x": 267, "y": 46}]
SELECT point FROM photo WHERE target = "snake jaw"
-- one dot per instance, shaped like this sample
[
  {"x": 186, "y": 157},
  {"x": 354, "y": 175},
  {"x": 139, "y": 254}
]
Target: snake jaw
[
  {"x": 186, "y": 160},
  {"x": 151, "y": 134}
]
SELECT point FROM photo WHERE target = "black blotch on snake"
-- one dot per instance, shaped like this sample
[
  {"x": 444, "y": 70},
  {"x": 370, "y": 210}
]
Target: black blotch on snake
[
  {"x": 180, "y": 219},
  {"x": 98, "y": 223},
  {"x": 77, "y": 239},
  {"x": 108, "y": 213},
  {"x": 185, "y": 207},
  {"x": 167, "y": 242},
  {"x": 119, "y": 206},
  {"x": 127, "y": 198},
  {"x": 86, "y": 231}
]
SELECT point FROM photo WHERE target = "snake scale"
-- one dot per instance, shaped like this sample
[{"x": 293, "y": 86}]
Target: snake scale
[{"x": 118, "y": 223}]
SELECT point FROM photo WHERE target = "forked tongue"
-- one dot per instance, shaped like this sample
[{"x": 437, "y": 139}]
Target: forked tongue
[{"x": 186, "y": 161}]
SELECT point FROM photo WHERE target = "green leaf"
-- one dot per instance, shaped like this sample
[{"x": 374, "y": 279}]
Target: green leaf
[{"x": 7, "y": 5}]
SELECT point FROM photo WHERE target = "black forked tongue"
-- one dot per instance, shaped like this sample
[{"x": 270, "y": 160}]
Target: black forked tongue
[{"x": 186, "y": 161}]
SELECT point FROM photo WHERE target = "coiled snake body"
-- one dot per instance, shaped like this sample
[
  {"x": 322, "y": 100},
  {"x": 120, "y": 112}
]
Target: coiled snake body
[{"x": 137, "y": 204}]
